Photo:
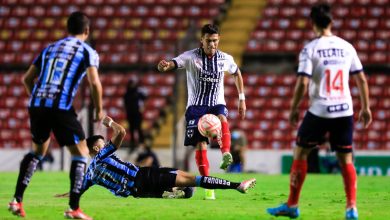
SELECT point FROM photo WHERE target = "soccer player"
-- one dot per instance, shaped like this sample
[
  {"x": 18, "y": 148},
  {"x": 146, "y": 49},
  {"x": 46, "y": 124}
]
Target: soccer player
[
  {"x": 124, "y": 178},
  {"x": 57, "y": 73},
  {"x": 205, "y": 67},
  {"x": 325, "y": 65}
]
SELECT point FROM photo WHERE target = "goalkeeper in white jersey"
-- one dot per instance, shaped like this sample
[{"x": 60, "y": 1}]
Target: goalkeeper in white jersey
[
  {"x": 325, "y": 65},
  {"x": 205, "y": 67}
]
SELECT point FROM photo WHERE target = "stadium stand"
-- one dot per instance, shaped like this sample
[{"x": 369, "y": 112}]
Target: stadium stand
[
  {"x": 147, "y": 30},
  {"x": 284, "y": 27}
]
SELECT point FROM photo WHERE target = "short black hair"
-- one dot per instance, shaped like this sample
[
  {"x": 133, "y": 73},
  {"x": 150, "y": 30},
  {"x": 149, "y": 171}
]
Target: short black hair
[
  {"x": 92, "y": 140},
  {"x": 321, "y": 15},
  {"x": 210, "y": 29},
  {"x": 77, "y": 23}
]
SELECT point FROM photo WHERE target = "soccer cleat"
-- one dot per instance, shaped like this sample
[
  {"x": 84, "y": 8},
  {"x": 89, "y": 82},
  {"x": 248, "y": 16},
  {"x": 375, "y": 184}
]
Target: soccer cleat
[
  {"x": 16, "y": 208},
  {"x": 351, "y": 214},
  {"x": 76, "y": 214},
  {"x": 227, "y": 159},
  {"x": 245, "y": 185},
  {"x": 209, "y": 194},
  {"x": 284, "y": 210}
]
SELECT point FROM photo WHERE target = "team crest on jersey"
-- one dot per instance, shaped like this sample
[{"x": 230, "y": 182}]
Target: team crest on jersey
[
  {"x": 220, "y": 65},
  {"x": 190, "y": 133}
]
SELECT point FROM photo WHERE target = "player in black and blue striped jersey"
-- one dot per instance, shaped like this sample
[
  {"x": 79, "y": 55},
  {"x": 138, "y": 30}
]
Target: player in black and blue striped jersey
[
  {"x": 52, "y": 82},
  {"x": 125, "y": 179}
]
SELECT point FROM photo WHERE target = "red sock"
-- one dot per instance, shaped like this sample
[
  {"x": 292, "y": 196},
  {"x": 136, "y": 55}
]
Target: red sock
[
  {"x": 202, "y": 162},
  {"x": 297, "y": 177},
  {"x": 350, "y": 183},
  {"x": 226, "y": 139}
]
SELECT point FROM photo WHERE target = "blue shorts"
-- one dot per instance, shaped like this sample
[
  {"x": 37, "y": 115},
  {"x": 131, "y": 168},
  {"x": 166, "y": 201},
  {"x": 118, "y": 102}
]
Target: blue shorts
[
  {"x": 193, "y": 113},
  {"x": 313, "y": 130}
]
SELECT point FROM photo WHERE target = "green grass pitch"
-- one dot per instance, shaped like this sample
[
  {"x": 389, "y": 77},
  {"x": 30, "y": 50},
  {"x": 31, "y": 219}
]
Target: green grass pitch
[{"x": 322, "y": 198}]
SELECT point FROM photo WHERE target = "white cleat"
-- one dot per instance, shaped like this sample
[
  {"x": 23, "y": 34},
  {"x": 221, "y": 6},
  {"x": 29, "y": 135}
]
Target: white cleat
[{"x": 245, "y": 185}]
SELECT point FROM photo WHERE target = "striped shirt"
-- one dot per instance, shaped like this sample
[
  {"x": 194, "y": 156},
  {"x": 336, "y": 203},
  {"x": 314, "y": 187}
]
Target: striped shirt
[
  {"x": 107, "y": 170},
  {"x": 205, "y": 76},
  {"x": 62, "y": 66}
]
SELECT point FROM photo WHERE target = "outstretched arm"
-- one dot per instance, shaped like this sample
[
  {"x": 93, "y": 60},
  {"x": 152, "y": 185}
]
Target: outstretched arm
[
  {"x": 164, "y": 66},
  {"x": 119, "y": 131}
]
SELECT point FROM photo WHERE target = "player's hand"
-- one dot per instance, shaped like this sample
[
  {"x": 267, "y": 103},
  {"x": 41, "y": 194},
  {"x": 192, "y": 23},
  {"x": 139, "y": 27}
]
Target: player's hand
[
  {"x": 163, "y": 66},
  {"x": 241, "y": 109},
  {"x": 365, "y": 117},
  {"x": 293, "y": 117},
  {"x": 98, "y": 115},
  {"x": 107, "y": 121}
]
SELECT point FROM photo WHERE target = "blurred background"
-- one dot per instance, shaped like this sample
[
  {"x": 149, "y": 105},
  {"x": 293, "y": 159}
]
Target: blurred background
[{"x": 131, "y": 36}]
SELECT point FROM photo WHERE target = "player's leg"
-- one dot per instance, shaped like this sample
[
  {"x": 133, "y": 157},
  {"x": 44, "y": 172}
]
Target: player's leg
[
  {"x": 203, "y": 166},
  {"x": 40, "y": 129},
  {"x": 27, "y": 168},
  {"x": 184, "y": 179},
  {"x": 310, "y": 134},
  {"x": 69, "y": 132},
  {"x": 341, "y": 141},
  {"x": 225, "y": 139}
]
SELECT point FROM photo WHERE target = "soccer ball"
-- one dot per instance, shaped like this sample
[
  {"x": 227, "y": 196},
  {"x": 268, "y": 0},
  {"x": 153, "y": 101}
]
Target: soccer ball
[{"x": 209, "y": 126}]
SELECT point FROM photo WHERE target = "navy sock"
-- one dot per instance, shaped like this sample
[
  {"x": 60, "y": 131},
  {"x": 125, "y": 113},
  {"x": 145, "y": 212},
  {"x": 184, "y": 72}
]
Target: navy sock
[
  {"x": 77, "y": 170},
  {"x": 27, "y": 168},
  {"x": 209, "y": 182}
]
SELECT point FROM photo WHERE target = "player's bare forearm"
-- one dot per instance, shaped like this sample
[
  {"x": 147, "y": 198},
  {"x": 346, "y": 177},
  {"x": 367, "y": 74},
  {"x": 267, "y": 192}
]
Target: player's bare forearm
[
  {"x": 241, "y": 95},
  {"x": 299, "y": 92},
  {"x": 164, "y": 66},
  {"x": 119, "y": 131},
  {"x": 29, "y": 77},
  {"x": 96, "y": 92},
  {"x": 362, "y": 85},
  {"x": 365, "y": 115}
]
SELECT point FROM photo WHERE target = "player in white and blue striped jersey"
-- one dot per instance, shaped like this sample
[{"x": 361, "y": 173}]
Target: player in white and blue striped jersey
[{"x": 205, "y": 67}]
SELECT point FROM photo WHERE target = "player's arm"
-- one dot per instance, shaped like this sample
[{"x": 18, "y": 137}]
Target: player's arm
[
  {"x": 97, "y": 91},
  {"x": 299, "y": 92},
  {"x": 119, "y": 131},
  {"x": 164, "y": 66},
  {"x": 29, "y": 77},
  {"x": 241, "y": 95},
  {"x": 365, "y": 113}
]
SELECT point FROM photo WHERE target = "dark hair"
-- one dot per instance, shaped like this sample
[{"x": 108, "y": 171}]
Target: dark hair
[
  {"x": 210, "y": 29},
  {"x": 77, "y": 23},
  {"x": 92, "y": 140},
  {"x": 320, "y": 15}
]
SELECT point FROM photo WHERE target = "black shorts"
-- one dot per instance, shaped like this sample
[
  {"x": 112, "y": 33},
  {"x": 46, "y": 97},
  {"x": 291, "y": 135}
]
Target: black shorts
[
  {"x": 151, "y": 182},
  {"x": 64, "y": 124},
  {"x": 193, "y": 114},
  {"x": 313, "y": 130}
]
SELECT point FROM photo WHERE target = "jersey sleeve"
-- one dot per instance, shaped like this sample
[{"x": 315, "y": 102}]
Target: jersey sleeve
[
  {"x": 232, "y": 66},
  {"x": 106, "y": 151},
  {"x": 38, "y": 61},
  {"x": 305, "y": 66},
  {"x": 356, "y": 65},
  {"x": 92, "y": 58},
  {"x": 181, "y": 60}
]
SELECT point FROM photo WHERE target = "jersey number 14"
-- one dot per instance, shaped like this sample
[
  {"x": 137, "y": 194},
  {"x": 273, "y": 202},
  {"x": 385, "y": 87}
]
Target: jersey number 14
[{"x": 334, "y": 83}]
